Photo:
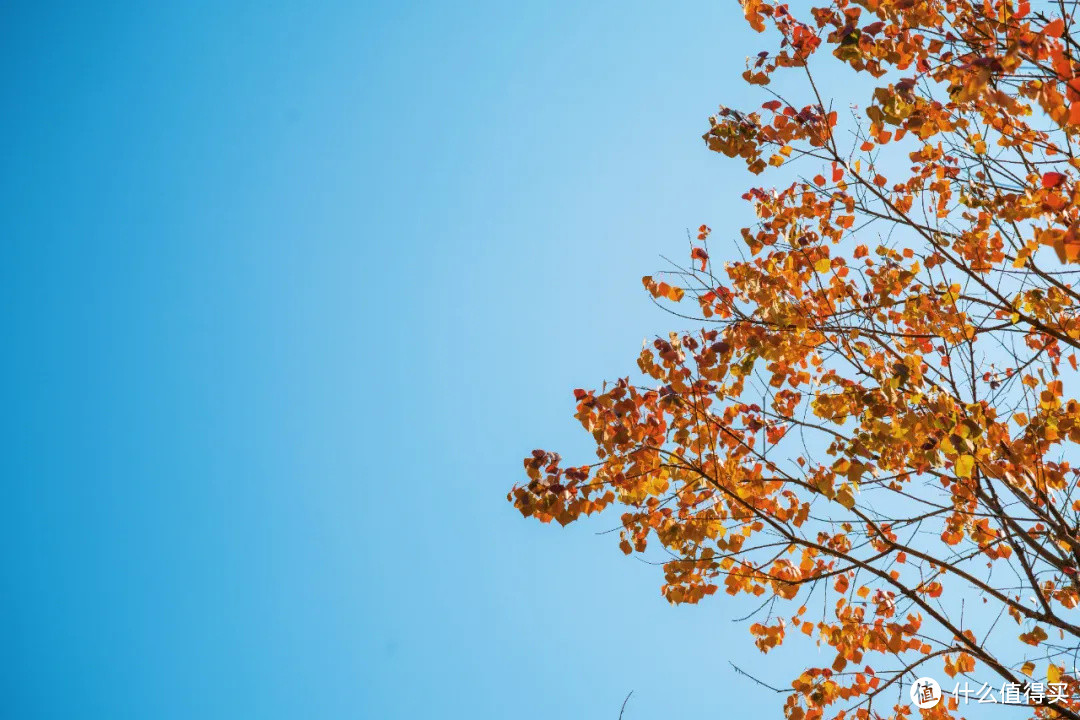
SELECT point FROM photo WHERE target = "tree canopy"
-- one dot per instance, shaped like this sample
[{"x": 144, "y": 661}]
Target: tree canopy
[{"x": 873, "y": 408}]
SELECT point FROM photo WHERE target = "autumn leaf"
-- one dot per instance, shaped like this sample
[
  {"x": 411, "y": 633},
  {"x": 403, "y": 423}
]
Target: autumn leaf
[
  {"x": 1052, "y": 179},
  {"x": 964, "y": 465},
  {"x": 1035, "y": 636},
  {"x": 1053, "y": 674},
  {"x": 700, "y": 254},
  {"x": 1074, "y": 113}
]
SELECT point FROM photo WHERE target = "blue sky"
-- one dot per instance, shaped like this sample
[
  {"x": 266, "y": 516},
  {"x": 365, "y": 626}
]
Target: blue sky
[{"x": 289, "y": 289}]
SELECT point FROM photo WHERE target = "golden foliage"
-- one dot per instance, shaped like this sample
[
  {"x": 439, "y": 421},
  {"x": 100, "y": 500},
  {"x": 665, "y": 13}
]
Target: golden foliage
[{"x": 875, "y": 409}]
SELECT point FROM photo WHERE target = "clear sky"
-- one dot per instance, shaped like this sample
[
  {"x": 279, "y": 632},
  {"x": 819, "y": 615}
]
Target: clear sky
[{"x": 289, "y": 289}]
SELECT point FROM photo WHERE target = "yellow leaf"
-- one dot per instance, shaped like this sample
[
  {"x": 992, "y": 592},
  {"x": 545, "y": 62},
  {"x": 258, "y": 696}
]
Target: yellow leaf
[
  {"x": 1028, "y": 668},
  {"x": 823, "y": 265},
  {"x": 964, "y": 465},
  {"x": 1053, "y": 674}
]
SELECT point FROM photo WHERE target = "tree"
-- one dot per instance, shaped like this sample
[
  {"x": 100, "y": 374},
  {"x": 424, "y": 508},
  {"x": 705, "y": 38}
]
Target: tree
[{"x": 874, "y": 413}]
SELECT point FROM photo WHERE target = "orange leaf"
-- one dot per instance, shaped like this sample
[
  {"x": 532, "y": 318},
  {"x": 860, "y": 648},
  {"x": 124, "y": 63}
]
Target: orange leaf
[
  {"x": 1036, "y": 636},
  {"x": 965, "y": 663}
]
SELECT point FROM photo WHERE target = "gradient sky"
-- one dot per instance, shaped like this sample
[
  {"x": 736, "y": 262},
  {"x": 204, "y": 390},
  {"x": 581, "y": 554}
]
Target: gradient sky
[{"x": 289, "y": 289}]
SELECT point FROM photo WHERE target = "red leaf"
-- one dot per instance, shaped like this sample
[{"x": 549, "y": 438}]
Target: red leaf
[{"x": 1052, "y": 179}]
